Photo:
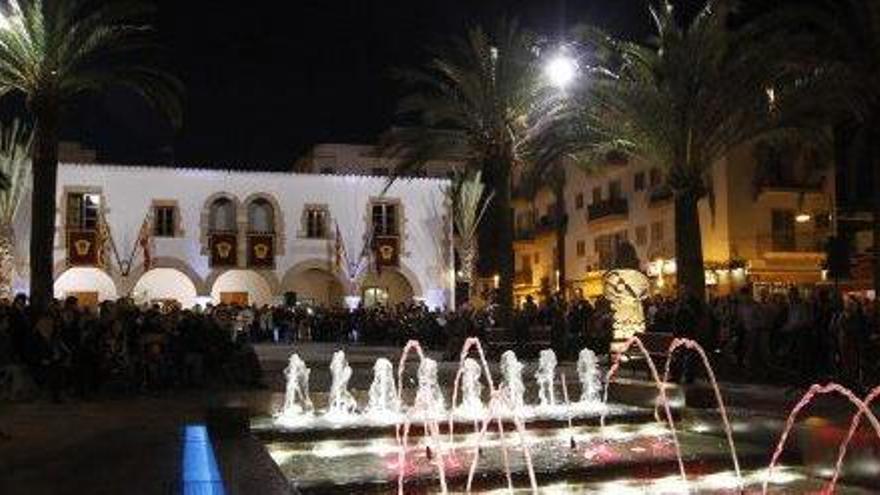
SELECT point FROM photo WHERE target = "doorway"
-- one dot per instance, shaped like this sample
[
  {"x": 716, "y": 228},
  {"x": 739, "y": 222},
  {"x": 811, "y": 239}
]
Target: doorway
[{"x": 234, "y": 298}]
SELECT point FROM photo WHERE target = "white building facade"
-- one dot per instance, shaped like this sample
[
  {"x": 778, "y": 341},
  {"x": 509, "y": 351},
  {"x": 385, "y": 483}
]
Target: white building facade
[{"x": 198, "y": 236}]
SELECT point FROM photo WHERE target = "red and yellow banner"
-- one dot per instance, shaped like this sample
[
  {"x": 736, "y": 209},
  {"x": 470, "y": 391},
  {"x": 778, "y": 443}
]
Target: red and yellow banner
[
  {"x": 224, "y": 250},
  {"x": 261, "y": 251},
  {"x": 83, "y": 248},
  {"x": 387, "y": 251}
]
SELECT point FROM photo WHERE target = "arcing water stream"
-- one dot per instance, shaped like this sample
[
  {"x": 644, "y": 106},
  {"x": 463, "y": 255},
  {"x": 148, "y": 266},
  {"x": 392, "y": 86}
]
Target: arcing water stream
[{"x": 506, "y": 403}]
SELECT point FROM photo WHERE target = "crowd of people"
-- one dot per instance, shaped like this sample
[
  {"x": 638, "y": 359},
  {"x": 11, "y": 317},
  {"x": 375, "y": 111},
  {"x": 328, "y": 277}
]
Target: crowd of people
[
  {"x": 779, "y": 336},
  {"x": 120, "y": 348}
]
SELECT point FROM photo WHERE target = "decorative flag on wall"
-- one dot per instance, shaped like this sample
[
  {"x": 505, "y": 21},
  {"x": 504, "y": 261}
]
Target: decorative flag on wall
[{"x": 144, "y": 237}]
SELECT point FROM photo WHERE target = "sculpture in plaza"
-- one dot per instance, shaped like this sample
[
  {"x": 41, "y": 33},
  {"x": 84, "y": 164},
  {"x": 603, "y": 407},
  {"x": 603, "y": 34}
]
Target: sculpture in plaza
[{"x": 626, "y": 286}]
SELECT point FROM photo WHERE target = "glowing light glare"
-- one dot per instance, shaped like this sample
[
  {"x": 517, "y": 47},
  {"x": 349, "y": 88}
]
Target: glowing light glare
[
  {"x": 561, "y": 71},
  {"x": 803, "y": 217}
]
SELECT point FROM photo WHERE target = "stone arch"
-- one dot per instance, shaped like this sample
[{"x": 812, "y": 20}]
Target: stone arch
[
  {"x": 261, "y": 285},
  {"x": 205, "y": 217},
  {"x": 407, "y": 273},
  {"x": 160, "y": 283},
  {"x": 111, "y": 271},
  {"x": 386, "y": 278},
  {"x": 86, "y": 279},
  {"x": 316, "y": 280},
  {"x": 174, "y": 263},
  {"x": 277, "y": 217}
]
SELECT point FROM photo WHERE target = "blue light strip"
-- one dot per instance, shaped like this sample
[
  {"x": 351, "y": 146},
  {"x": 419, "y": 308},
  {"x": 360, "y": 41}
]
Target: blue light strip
[{"x": 200, "y": 473}]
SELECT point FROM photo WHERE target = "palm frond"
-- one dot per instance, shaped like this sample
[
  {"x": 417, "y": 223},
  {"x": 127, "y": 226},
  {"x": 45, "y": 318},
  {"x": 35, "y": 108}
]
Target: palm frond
[
  {"x": 15, "y": 167},
  {"x": 61, "y": 49}
]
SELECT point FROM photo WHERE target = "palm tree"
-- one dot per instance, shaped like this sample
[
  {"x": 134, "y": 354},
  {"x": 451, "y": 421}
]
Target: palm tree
[
  {"x": 15, "y": 171},
  {"x": 844, "y": 36},
  {"x": 469, "y": 200},
  {"x": 685, "y": 100},
  {"x": 52, "y": 51},
  {"x": 550, "y": 175},
  {"x": 489, "y": 89}
]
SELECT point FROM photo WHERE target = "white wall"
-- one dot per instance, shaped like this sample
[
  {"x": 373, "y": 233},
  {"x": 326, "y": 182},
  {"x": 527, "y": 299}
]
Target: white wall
[{"x": 128, "y": 193}]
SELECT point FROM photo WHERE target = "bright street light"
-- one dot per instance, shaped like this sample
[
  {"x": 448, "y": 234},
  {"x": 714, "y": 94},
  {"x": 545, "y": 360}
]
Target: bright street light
[{"x": 561, "y": 70}]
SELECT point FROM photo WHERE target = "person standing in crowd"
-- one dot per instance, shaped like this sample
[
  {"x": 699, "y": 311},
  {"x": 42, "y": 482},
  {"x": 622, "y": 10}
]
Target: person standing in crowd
[{"x": 48, "y": 357}]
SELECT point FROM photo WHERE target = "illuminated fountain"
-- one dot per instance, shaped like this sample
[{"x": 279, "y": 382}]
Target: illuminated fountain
[
  {"x": 560, "y": 437},
  {"x": 384, "y": 404},
  {"x": 471, "y": 390},
  {"x": 341, "y": 404},
  {"x": 589, "y": 376},
  {"x": 545, "y": 377},
  {"x": 297, "y": 403},
  {"x": 512, "y": 386}
]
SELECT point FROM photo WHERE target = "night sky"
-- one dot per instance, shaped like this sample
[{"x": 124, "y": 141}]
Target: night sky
[{"x": 266, "y": 79}]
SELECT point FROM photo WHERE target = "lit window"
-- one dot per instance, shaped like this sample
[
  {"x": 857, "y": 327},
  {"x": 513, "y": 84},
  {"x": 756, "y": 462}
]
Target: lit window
[
  {"x": 83, "y": 210},
  {"x": 375, "y": 296}
]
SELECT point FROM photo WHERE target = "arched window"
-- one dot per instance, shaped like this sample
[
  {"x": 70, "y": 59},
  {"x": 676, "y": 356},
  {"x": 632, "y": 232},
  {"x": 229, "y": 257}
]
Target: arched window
[
  {"x": 222, "y": 215},
  {"x": 261, "y": 216}
]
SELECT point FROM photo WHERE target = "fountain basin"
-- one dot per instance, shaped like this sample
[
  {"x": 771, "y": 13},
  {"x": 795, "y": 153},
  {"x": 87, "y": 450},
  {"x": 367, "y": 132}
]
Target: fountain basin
[{"x": 630, "y": 452}]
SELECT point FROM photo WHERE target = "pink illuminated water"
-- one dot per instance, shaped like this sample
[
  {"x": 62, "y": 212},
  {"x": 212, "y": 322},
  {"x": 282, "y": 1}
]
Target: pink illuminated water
[
  {"x": 661, "y": 387},
  {"x": 497, "y": 407},
  {"x": 474, "y": 342},
  {"x": 429, "y": 423},
  {"x": 869, "y": 399},
  {"x": 812, "y": 393},
  {"x": 694, "y": 346},
  {"x": 567, "y": 409}
]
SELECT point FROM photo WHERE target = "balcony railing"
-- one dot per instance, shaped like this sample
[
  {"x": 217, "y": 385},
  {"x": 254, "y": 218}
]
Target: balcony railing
[
  {"x": 792, "y": 244},
  {"x": 791, "y": 185},
  {"x": 524, "y": 234},
  {"x": 660, "y": 195},
  {"x": 548, "y": 224},
  {"x": 523, "y": 277},
  {"x": 617, "y": 207}
]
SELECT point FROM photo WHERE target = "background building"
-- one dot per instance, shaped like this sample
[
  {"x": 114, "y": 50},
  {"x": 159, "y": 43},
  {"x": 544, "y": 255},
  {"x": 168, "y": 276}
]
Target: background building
[
  {"x": 765, "y": 221},
  {"x": 194, "y": 236},
  {"x": 369, "y": 159}
]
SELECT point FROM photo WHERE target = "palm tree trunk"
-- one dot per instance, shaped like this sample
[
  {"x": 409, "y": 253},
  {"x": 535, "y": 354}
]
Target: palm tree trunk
[
  {"x": 691, "y": 275},
  {"x": 560, "y": 225},
  {"x": 43, "y": 203},
  {"x": 7, "y": 259},
  {"x": 875, "y": 204},
  {"x": 496, "y": 237}
]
